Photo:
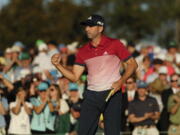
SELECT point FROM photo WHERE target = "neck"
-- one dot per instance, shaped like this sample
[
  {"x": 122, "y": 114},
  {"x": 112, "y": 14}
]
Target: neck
[
  {"x": 142, "y": 98},
  {"x": 96, "y": 40}
]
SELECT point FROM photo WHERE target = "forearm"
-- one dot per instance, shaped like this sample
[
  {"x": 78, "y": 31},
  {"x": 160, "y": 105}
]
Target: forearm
[
  {"x": 27, "y": 109},
  {"x": 38, "y": 109},
  {"x": 2, "y": 109},
  {"x": 51, "y": 107},
  {"x": 17, "y": 108},
  {"x": 174, "y": 109},
  {"x": 136, "y": 119},
  {"x": 155, "y": 116},
  {"x": 68, "y": 74},
  {"x": 130, "y": 68},
  {"x": 8, "y": 84}
]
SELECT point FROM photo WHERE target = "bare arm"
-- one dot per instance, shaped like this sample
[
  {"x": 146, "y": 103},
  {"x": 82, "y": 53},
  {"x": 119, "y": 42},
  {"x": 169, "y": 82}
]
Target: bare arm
[
  {"x": 133, "y": 119},
  {"x": 174, "y": 109},
  {"x": 27, "y": 109},
  {"x": 155, "y": 116},
  {"x": 73, "y": 75},
  {"x": 39, "y": 109},
  {"x": 17, "y": 108},
  {"x": 130, "y": 68},
  {"x": 7, "y": 83},
  {"x": 3, "y": 111}
]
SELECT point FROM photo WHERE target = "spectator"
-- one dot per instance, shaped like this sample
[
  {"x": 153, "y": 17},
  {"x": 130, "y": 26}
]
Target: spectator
[
  {"x": 41, "y": 61},
  {"x": 43, "y": 112},
  {"x": 69, "y": 123},
  {"x": 64, "y": 87},
  {"x": 144, "y": 69},
  {"x": 3, "y": 111},
  {"x": 131, "y": 48},
  {"x": 24, "y": 68},
  {"x": 159, "y": 85},
  {"x": 164, "y": 118},
  {"x": 174, "y": 109},
  {"x": 127, "y": 97},
  {"x": 153, "y": 72},
  {"x": 60, "y": 104},
  {"x": 74, "y": 96},
  {"x": 143, "y": 112},
  {"x": 19, "y": 112}
]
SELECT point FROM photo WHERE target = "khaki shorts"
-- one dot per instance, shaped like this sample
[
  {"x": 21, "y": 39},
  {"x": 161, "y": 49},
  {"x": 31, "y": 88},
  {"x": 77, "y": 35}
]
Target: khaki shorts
[{"x": 174, "y": 130}]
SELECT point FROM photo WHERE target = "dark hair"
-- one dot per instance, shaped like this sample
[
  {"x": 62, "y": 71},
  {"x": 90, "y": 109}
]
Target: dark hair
[
  {"x": 53, "y": 42},
  {"x": 157, "y": 61}
]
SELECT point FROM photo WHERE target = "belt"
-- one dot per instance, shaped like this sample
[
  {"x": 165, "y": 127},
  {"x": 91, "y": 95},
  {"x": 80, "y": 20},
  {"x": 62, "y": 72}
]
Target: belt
[{"x": 145, "y": 126}]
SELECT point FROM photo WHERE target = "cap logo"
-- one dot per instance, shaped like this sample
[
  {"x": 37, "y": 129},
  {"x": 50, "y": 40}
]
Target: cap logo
[
  {"x": 100, "y": 23},
  {"x": 90, "y": 18}
]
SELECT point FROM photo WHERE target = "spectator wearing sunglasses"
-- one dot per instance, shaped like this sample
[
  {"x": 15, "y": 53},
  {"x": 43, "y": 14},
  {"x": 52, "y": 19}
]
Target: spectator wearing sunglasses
[{"x": 174, "y": 88}]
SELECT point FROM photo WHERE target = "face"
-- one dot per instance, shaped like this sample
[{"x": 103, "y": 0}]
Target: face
[
  {"x": 130, "y": 84},
  {"x": 75, "y": 114},
  {"x": 53, "y": 91},
  {"x": 174, "y": 81},
  {"x": 43, "y": 94},
  {"x": 142, "y": 92},
  {"x": 93, "y": 31}
]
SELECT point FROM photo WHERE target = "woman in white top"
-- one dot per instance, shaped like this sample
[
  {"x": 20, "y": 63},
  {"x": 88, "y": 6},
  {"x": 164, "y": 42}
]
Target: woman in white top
[
  {"x": 19, "y": 112},
  {"x": 60, "y": 104}
]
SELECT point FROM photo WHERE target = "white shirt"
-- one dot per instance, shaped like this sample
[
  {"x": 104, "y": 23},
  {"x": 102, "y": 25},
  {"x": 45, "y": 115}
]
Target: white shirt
[
  {"x": 131, "y": 93},
  {"x": 175, "y": 90},
  {"x": 20, "y": 123},
  {"x": 64, "y": 108}
]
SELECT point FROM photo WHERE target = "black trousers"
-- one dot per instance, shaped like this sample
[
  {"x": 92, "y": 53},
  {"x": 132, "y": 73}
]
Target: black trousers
[{"x": 93, "y": 105}]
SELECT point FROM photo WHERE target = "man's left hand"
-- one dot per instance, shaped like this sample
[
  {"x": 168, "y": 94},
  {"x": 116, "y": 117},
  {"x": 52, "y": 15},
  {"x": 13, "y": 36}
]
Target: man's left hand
[{"x": 116, "y": 86}]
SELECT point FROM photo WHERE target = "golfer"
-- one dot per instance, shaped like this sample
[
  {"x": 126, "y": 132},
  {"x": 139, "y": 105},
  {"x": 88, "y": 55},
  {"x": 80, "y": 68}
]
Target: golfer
[{"x": 102, "y": 57}]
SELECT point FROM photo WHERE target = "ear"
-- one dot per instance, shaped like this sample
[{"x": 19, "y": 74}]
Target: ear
[{"x": 101, "y": 29}]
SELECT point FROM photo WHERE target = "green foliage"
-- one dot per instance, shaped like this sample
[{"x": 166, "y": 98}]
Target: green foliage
[{"x": 29, "y": 20}]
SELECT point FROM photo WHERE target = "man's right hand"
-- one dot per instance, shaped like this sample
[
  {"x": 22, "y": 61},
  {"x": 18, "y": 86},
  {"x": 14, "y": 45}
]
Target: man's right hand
[{"x": 55, "y": 59}]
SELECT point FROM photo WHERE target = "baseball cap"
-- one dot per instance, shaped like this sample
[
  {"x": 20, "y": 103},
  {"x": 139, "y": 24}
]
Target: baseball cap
[
  {"x": 163, "y": 70},
  {"x": 73, "y": 87},
  {"x": 42, "y": 86},
  {"x": 94, "y": 20},
  {"x": 142, "y": 84},
  {"x": 24, "y": 56},
  {"x": 76, "y": 107}
]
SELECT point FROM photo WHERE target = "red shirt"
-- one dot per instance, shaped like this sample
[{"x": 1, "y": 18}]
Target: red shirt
[{"x": 102, "y": 62}]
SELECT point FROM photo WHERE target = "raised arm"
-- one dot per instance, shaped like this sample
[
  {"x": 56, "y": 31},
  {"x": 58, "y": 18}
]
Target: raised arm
[{"x": 73, "y": 75}]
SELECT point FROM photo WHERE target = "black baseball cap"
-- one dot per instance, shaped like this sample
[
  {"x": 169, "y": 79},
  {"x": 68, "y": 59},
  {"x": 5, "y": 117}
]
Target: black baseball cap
[{"x": 94, "y": 20}]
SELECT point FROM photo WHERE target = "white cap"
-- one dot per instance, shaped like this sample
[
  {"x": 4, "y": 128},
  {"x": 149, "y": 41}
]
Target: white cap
[
  {"x": 73, "y": 46},
  {"x": 16, "y": 49},
  {"x": 163, "y": 70},
  {"x": 24, "y": 72},
  {"x": 8, "y": 50},
  {"x": 42, "y": 47}
]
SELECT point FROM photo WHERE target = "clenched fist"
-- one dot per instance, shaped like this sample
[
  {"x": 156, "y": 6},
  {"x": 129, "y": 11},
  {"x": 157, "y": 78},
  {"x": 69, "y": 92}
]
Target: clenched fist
[{"x": 55, "y": 59}]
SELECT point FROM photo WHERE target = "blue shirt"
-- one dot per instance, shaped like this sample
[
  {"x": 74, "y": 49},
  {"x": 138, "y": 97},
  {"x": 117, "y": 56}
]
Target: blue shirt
[
  {"x": 4, "y": 102},
  {"x": 44, "y": 120}
]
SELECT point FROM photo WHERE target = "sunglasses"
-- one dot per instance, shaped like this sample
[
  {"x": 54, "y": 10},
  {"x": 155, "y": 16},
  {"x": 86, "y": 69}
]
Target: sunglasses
[
  {"x": 51, "y": 89},
  {"x": 129, "y": 82},
  {"x": 174, "y": 80}
]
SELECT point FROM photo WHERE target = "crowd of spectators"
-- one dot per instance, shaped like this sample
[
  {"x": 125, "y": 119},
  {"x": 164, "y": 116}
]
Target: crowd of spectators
[{"x": 36, "y": 99}]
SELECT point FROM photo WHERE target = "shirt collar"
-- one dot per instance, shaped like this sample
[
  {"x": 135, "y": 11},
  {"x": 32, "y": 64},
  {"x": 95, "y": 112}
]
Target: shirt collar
[{"x": 102, "y": 42}]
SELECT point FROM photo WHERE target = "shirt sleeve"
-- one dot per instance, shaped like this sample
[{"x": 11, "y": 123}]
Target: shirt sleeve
[
  {"x": 5, "y": 103},
  {"x": 79, "y": 60},
  {"x": 170, "y": 103},
  {"x": 64, "y": 108},
  {"x": 121, "y": 51},
  {"x": 12, "y": 104},
  {"x": 155, "y": 106},
  {"x": 130, "y": 108}
]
